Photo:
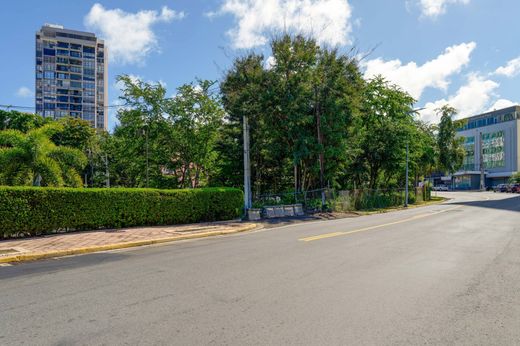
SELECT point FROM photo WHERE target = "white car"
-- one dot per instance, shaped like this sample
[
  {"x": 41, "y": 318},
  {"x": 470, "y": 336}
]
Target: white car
[{"x": 440, "y": 188}]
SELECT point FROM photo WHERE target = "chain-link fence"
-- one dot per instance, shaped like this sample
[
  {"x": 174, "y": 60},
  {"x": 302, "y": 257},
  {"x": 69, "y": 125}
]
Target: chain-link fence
[{"x": 344, "y": 200}]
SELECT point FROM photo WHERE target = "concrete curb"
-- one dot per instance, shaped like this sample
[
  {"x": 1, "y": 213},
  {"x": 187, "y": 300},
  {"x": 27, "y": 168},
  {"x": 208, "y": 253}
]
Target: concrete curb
[{"x": 91, "y": 249}]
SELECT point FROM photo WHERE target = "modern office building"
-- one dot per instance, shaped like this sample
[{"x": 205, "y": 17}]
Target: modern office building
[
  {"x": 492, "y": 145},
  {"x": 71, "y": 75}
]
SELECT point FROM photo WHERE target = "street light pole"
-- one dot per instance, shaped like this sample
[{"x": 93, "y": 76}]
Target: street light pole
[
  {"x": 406, "y": 184},
  {"x": 413, "y": 111},
  {"x": 247, "y": 166},
  {"x": 481, "y": 157}
]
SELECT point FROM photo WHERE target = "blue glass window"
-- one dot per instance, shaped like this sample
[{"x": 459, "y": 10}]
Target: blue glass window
[
  {"x": 87, "y": 49},
  {"x": 47, "y": 51}
]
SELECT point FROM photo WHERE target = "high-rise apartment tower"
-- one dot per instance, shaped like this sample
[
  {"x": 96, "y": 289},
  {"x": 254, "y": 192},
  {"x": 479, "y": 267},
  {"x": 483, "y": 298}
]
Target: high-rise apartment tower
[{"x": 71, "y": 75}]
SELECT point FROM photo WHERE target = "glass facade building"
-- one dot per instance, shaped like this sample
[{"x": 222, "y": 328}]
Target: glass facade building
[
  {"x": 492, "y": 145},
  {"x": 71, "y": 75}
]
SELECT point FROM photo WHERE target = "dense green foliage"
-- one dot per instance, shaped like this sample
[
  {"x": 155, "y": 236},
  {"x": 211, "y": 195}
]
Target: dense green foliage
[
  {"x": 315, "y": 123},
  {"x": 451, "y": 151},
  {"x": 32, "y": 158},
  {"x": 28, "y": 210},
  {"x": 515, "y": 179},
  {"x": 23, "y": 122},
  {"x": 165, "y": 142}
]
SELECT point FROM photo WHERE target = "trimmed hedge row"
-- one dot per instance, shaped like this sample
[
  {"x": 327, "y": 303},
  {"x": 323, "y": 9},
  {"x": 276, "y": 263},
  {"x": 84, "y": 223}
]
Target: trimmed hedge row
[{"x": 33, "y": 210}]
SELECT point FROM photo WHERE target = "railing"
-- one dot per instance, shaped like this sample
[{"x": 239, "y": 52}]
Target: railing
[{"x": 344, "y": 200}]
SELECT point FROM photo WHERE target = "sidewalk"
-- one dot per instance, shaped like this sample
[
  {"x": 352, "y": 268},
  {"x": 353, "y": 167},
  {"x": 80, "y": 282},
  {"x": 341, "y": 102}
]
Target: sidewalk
[{"x": 65, "y": 244}]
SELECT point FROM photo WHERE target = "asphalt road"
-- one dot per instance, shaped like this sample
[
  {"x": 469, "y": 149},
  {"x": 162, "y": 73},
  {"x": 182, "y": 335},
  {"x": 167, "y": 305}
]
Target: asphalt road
[{"x": 445, "y": 274}]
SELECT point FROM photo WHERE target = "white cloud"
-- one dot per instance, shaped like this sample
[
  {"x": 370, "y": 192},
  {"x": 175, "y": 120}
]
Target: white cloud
[
  {"x": 501, "y": 104},
  {"x": 471, "y": 99},
  {"x": 511, "y": 69},
  {"x": 434, "y": 74},
  {"x": 129, "y": 36},
  {"x": 24, "y": 92},
  {"x": 435, "y": 8},
  {"x": 328, "y": 21},
  {"x": 270, "y": 62}
]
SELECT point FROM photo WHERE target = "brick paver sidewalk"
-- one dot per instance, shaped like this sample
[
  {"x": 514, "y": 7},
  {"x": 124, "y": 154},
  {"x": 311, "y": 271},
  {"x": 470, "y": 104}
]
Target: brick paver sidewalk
[{"x": 84, "y": 242}]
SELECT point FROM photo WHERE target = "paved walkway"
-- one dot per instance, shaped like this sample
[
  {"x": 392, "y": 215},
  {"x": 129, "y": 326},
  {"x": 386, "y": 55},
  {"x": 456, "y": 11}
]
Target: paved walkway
[{"x": 84, "y": 242}]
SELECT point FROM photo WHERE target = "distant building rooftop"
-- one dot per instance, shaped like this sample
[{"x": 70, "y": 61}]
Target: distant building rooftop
[{"x": 489, "y": 118}]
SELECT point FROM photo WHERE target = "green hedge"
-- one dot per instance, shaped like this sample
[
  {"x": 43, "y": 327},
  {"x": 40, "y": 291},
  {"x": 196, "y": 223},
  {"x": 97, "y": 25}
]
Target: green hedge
[{"x": 33, "y": 210}]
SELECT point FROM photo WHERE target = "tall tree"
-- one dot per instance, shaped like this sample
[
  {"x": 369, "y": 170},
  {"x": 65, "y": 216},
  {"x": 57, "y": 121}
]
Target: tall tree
[
  {"x": 300, "y": 108},
  {"x": 384, "y": 127},
  {"x": 141, "y": 130},
  {"x": 196, "y": 116},
  {"x": 451, "y": 150}
]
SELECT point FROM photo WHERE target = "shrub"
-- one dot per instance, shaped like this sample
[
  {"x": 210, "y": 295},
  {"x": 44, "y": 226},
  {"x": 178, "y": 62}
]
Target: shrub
[{"x": 33, "y": 211}]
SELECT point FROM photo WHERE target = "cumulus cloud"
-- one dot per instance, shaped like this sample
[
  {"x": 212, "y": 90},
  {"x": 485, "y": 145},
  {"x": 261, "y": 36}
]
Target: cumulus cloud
[
  {"x": 129, "y": 36},
  {"x": 433, "y": 74},
  {"x": 501, "y": 104},
  {"x": 24, "y": 92},
  {"x": 328, "y": 21},
  {"x": 471, "y": 99},
  {"x": 511, "y": 69},
  {"x": 435, "y": 8}
]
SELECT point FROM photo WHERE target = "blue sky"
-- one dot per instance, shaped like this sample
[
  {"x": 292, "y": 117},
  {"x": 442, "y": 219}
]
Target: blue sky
[{"x": 464, "y": 52}]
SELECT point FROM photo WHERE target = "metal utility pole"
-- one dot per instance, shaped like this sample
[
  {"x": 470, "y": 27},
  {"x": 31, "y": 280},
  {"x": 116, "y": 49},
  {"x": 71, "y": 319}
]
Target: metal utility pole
[
  {"x": 247, "y": 166},
  {"x": 406, "y": 184},
  {"x": 481, "y": 154},
  {"x": 107, "y": 172}
]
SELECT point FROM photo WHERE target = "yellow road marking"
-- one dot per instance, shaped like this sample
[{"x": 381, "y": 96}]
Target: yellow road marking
[{"x": 337, "y": 234}]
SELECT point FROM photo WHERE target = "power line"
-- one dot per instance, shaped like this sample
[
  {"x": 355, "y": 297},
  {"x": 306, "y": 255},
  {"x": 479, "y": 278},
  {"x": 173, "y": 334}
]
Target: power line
[{"x": 34, "y": 108}]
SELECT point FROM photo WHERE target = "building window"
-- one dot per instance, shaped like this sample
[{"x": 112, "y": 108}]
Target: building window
[{"x": 493, "y": 149}]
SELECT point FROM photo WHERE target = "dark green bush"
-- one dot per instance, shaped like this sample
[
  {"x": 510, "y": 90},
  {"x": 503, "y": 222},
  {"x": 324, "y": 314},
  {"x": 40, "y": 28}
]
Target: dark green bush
[{"x": 31, "y": 210}]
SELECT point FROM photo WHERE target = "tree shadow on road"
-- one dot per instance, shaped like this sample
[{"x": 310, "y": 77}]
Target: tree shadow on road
[{"x": 511, "y": 204}]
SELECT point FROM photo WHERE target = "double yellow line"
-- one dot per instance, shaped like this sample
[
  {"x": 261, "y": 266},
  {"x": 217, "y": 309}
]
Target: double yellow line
[{"x": 337, "y": 234}]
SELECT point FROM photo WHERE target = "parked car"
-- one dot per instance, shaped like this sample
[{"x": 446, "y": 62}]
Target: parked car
[
  {"x": 501, "y": 188},
  {"x": 515, "y": 188},
  {"x": 440, "y": 188}
]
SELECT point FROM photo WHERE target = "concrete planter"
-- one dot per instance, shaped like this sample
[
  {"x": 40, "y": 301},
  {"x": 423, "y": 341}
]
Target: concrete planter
[
  {"x": 269, "y": 212},
  {"x": 278, "y": 211},
  {"x": 298, "y": 210},
  {"x": 288, "y": 210},
  {"x": 254, "y": 214}
]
